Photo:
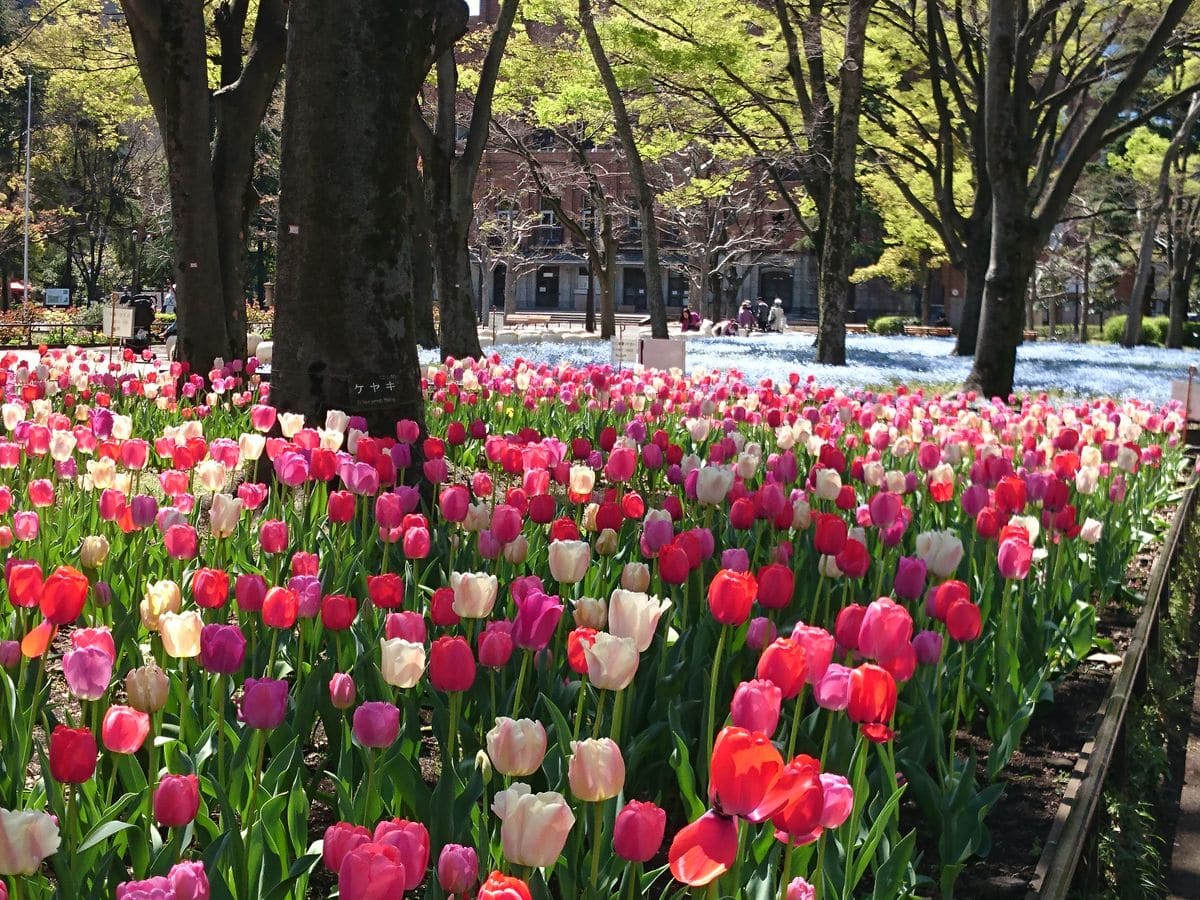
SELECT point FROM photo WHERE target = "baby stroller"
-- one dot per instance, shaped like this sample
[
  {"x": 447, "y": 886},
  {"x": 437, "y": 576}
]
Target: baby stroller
[{"x": 143, "y": 319}]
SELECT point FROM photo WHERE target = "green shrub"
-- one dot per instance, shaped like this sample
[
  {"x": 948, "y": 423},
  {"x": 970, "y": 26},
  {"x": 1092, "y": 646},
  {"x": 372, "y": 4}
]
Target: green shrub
[
  {"x": 1154, "y": 330},
  {"x": 891, "y": 324},
  {"x": 1114, "y": 329}
]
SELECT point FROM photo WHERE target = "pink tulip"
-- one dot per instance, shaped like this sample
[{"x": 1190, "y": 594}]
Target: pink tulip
[
  {"x": 411, "y": 839},
  {"x": 458, "y": 870},
  {"x": 756, "y": 705},
  {"x": 376, "y": 725}
]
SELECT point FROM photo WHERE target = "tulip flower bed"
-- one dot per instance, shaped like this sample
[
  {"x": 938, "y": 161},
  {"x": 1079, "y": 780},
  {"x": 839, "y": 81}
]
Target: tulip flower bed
[{"x": 650, "y": 636}]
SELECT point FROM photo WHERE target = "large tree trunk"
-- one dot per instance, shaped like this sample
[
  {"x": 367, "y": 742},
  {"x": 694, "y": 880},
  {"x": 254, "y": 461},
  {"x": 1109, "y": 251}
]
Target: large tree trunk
[
  {"x": 209, "y": 170},
  {"x": 422, "y": 262},
  {"x": 512, "y": 275},
  {"x": 840, "y": 220},
  {"x": 345, "y": 321},
  {"x": 459, "y": 335},
  {"x": 926, "y": 293},
  {"x": 978, "y": 234},
  {"x": 655, "y": 302}
]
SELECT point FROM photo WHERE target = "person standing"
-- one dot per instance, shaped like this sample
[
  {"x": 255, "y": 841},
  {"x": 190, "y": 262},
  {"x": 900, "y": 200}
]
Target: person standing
[
  {"x": 168, "y": 305},
  {"x": 778, "y": 317}
]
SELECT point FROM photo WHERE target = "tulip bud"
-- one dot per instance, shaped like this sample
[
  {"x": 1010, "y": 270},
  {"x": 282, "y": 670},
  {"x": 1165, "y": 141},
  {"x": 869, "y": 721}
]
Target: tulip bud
[
  {"x": 607, "y": 543},
  {"x": 147, "y": 688},
  {"x": 484, "y": 766},
  {"x": 93, "y": 551},
  {"x": 176, "y": 800},
  {"x": 591, "y": 613},
  {"x": 596, "y": 769},
  {"x": 635, "y": 576},
  {"x": 342, "y": 691}
]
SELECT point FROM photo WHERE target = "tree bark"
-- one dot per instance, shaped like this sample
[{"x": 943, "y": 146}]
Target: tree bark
[
  {"x": 208, "y": 172},
  {"x": 1153, "y": 213},
  {"x": 422, "y": 261},
  {"x": 976, "y": 255},
  {"x": 345, "y": 324},
  {"x": 927, "y": 296},
  {"x": 655, "y": 302}
]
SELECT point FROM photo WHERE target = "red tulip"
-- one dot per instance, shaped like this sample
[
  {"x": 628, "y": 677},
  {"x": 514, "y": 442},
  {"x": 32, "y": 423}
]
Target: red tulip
[
  {"x": 72, "y": 754},
  {"x": 24, "y": 582},
  {"x": 503, "y": 887},
  {"x": 886, "y": 628},
  {"x": 847, "y": 626},
  {"x": 673, "y": 565},
  {"x": 829, "y": 533},
  {"x": 280, "y": 608},
  {"x": 386, "y": 591},
  {"x": 783, "y": 663},
  {"x": 704, "y": 850},
  {"x": 638, "y": 831},
  {"x": 125, "y": 729},
  {"x": 872, "y": 701},
  {"x": 941, "y": 597},
  {"x": 63, "y": 595},
  {"x": 744, "y": 768},
  {"x": 451, "y": 664},
  {"x": 250, "y": 591},
  {"x": 577, "y": 641},
  {"x": 964, "y": 621},
  {"x": 1014, "y": 558},
  {"x": 340, "y": 507},
  {"x": 730, "y": 596},
  {"x": 853, "y": 560},
  {"x": 338, "y": 611},
  {"x": 210, "y": 588},
  {"x": 799, "y": 820},
  {"x": 176, "y": 800},
  {"x": 775, "y": 585}
]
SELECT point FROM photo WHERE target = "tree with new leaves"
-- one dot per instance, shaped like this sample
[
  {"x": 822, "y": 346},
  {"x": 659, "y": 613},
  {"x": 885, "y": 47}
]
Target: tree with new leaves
[
  {"x": 208, "y": 118},
  {"x": 1058, "y": 89},
  {"x": 450, "y": 173}
]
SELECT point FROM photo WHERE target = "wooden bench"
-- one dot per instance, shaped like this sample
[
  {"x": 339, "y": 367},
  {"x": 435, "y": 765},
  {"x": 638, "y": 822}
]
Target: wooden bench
[
  {"x": 929, "y": 331},
  {"x": 525, "y": 319},
  {"x": 856, "y": 328},
  {"x": 1031, "y": 335}
]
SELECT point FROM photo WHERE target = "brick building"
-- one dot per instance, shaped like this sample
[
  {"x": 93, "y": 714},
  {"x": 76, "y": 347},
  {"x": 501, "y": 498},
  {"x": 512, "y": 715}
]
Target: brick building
[{"x": 552, "y": 270}]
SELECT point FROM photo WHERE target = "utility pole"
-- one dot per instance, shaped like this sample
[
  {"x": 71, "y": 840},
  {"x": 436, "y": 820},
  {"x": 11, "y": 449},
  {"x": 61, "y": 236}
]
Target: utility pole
[{"x": 28, "y": 144}]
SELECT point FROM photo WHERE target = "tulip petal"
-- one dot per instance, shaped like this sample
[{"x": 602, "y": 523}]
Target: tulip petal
[
  {"x": 35, "y": 643},
  {"x": 704, "y": 850}
]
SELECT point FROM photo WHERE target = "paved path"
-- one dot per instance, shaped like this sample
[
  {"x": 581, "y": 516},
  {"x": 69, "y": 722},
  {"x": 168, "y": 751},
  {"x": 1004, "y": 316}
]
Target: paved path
[{"x": 1184, "y": 879}]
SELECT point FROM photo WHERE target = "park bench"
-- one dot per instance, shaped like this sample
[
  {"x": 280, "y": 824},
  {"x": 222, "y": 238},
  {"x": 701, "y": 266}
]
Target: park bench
[
  {"x": 929, "y": 331},
  {"x": 856, "y": 328},
  {"x": 1031, "y": 335},
  {"x": 526, "y": 319}
]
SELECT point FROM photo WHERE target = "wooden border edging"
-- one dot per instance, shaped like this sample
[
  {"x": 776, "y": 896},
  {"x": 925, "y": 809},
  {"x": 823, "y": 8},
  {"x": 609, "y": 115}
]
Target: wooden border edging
[{"x": 1074, "y": 830}]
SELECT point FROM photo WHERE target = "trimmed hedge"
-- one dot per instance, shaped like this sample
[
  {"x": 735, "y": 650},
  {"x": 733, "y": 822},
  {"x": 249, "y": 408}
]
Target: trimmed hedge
[
  {"x": 891, "y": 325},
  {"x": 1154, "y": 330}
]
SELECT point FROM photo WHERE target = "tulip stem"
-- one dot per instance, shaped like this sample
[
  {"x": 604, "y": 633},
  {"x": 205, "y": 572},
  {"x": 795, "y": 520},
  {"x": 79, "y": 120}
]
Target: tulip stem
[
  {"x": 796, "y": 715},
  {"x": 958, "y": 700},
  {"x": 579, "y": 707},
  {"x": 597, "y": 829},
  {"x": 785, "y": 873},
  {"x": 599, "y": 714},
  {"x": 151, "y": 772},
  {"x": 820, "y": 873},
  {"x": 452, "y": 736},
  {"x": 710, "y": 720},
  {"x": 220, "y": 689},
  {"x": 617, "y": 715},
  {"x": 520, "y": 685}
]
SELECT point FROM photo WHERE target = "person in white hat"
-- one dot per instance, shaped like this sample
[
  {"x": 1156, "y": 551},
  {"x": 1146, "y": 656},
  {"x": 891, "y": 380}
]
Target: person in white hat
[{"x": 778, "y": 317}]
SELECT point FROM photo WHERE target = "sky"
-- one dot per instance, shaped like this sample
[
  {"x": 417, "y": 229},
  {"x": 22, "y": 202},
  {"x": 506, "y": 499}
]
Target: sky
[{"x": 473, "y": 6}]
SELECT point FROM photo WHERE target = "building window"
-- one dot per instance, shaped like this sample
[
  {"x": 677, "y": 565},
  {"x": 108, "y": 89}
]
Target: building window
[
  {"x": 582, "y": 283},
  {"x": 547, "y": 218},
  {"x": 506, "y": 214},
  {"x": 587, "y": 219},
  {"x": 677, "y": 288}
]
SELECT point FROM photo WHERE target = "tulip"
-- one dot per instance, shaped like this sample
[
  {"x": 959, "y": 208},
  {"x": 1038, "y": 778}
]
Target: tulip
[
  {"x": 402, "y": 662},
  {"x": 189, "y": 881},
  {"x": 146, "y": 688},
  {"x": 909, "y": 582},
  {"x": 886, "y": 627},
  {"x": 180, "y": 634},
  {"x": 611, "y": 661},
  {"x": 760, "y": 633},
  {"x": 799, "y": 889},
  {"x": 635, "y": 576},
  {"x": 942, "y": 551},
  {"x": 451, "y": 664},
  {"x": 411, "y": 839},
  {"x": 264, "y": 703},
  {"x": 713, "y": 484},
  {"x": 744, "y": 768},
  {"x": 872, "y": 701},
  {"x": 928, "y": 647},
  {"x": 638, "y": 831},
  {"x": 499, "y": 886},
  {"x": 280, "y": 608},
  {"x": 784, "y": 664},
  {"x": 569, "y": 561},
  {"x": 730, "y": 596},
  {"x": 833, "y": 690},
  {"x": 756, "y": 706},
  {"x": 93, "y": 551},
  {"x": 837, "y": 800},
  {"x": 474, "y": 594},
  {"x": 591, "y": 612},
  {"x": 495, "y": 645},
  {"x": 1014, "y": 558},
  {"x": 181, "y": 542},
  {"x": 635, "y": 615},
  {"x": 27, "y": 837},
  {"x": 705, "y": 850},
  {"x": 63, "y": 595},
  {"x": 798, "y": 821},
  {"x": 596, "y": 769},
  {"x": 537, "y": 618},
  {"x": 506, "y": 523},
  {"x": 224, "y": 515},
  {"x": 339, "y": 840},
  {"x": 87, "y": 672},
  {"x": 72, "y": 754},
  {"x": 775, "y": 585},
  {"x": 964, "y": 621},
  {"x": 516, "y": 747},
  {"x": 24, "y": 581},
  {"x": 161, "y": 597},
  {"x": 273, "y": 536},
  {"x": 372, "y": 871},
  {"x": 341, "y": 691},
  {"x": 386, "y": 591},
  {"x": 250, "y": 591},
  {"x": 26, "y": 525},
  {"x": 534, "y": 827},
  {"x": 176, "y": 800},
  {"x": 10, "y": 654},
  {"x": 376, "y": 724},
  {"x": 210, "y": 588},
  {"x": 124, "y": 729},
  {"x": 458, "y": 869}
]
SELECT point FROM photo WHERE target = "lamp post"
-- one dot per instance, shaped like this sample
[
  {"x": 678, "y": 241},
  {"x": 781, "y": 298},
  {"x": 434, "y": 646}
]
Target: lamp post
[{"x": 28, "y": 145}]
